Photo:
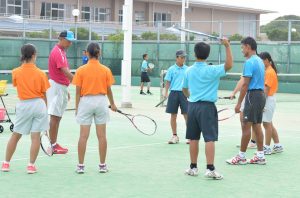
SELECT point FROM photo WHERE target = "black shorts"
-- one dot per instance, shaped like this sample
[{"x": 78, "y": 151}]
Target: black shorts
[
  {"x": 202, "y": 118},
  {"x": 177, "y": 99},
  {"x": 145, "y": 77},
  {"x": 255, "y": 101}
]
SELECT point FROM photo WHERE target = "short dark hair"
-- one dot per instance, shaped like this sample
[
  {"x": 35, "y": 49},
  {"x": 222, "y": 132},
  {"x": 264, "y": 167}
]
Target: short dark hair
[
  {"x": 94, "y": 50},
  {"x": 27, "y": 51},
  {"x": 144, "y": 55},
  {"x": 202, "y": 50},
  {"x": 250, "y": 41}
]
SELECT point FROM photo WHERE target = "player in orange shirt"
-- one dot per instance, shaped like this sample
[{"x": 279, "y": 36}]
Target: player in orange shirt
[
  {"x": 271, "y": 86},
  {"x": 31, "y": 110},
  {"x": 93, "y": 82}
]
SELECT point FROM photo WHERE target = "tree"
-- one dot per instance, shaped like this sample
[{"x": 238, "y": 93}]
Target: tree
[
  {"x": 83, "y": 34},
  {"x": 277, "y": 30},
  {"x": 235, "y": 37}
]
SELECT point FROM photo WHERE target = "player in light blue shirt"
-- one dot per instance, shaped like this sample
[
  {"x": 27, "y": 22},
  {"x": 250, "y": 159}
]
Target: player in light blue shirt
[
  {"x": 144, "y": 75},
  {"x": 253, "y": 91},
  {"x": 174, "y": 82},
  {"x": 200, "y": 86}
]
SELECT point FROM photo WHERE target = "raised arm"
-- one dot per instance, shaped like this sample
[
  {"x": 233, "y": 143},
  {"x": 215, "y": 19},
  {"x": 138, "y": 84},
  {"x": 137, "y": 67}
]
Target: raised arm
[{"x": 229, "y": 59}]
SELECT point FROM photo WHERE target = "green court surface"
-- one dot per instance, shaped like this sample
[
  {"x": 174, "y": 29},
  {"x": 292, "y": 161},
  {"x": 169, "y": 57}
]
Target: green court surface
[{"x": 146, "y": 166}]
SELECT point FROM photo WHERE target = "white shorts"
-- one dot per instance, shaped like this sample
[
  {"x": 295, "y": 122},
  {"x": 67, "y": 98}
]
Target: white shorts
[
  {"x": 269, "y": 109},
  {"x": 57, "y": 98},
  {"x": 31, "y": 116},
  {"x": 92, "y": 107}
]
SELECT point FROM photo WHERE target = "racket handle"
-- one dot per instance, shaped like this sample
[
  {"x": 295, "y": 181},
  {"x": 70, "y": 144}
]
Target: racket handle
[{"x": 119, "y": 111}]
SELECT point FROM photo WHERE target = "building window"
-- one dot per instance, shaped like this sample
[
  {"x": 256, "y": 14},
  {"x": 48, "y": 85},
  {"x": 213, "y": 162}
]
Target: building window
[
  {"x": 14, "y": 7},
  {"x": 54, "y": 11},
  {"x": 86, "y": 13},
  {"x": 102, "y": 14},
  {"x": 139, "y": 16},
  {"x": 163, "y": 18},
  {"x": 120, "y": 16}
]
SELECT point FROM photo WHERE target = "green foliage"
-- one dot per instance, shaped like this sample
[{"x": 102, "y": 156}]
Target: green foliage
[
  {"x": 43, "y": 34},
  {"x": 119, "y": 36},
  {"x": 235, "y": 37},
  {"x": 170, "y": 37},
  {"x": 149, "y": 36},
  {"x": 153, "y": 36},
  {"x": 83, "y": 34},
  {"x": 277, "y": 30}
]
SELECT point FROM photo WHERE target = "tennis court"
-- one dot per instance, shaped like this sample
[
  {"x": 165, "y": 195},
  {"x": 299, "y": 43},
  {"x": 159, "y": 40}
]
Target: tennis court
[{"x": 146, "y": 166}]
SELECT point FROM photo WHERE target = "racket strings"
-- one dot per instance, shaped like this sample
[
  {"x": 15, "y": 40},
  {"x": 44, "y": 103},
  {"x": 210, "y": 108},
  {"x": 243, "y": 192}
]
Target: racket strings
[
  {"x": 144, "y": 124},
  {"x": 225, "y": 114},
  {"x": 46, "y": 145}
]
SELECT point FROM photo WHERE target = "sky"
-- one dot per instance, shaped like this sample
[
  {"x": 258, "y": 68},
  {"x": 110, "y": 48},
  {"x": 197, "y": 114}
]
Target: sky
[{"x": 286, "y": 7}]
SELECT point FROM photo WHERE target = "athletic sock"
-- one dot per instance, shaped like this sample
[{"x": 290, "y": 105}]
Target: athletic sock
[
  {"x": 242, "y": 154},
  {"x": 211, "y": 167},
  {"x": 193, "y": 165},
  {"x": 260, "y": 154}
]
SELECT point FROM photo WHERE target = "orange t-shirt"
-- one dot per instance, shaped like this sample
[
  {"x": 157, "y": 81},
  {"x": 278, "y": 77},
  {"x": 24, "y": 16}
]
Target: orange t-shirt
[
  {"x": 271, "y": 81},
  {"x": 31, "y": 82},
  {"x": 93, "y": 78}
]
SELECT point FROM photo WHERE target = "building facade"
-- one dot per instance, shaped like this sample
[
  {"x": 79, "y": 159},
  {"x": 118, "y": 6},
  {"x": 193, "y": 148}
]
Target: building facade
[{"x": 201, "y": 16}]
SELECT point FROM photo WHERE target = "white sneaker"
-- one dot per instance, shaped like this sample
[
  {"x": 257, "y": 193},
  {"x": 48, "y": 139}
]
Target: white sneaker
[
  {"x": 192, "y": 171},
  {"x": 252, "y": 145},
  {"x": 174, "y": 140},
  {"x": 277, "y": 149},
  {"x": 213, "y": 174},
  {"x": 103, "y": 168},
  {"x": 267, "y": 151},
  {"x": 80, "y": 169}
]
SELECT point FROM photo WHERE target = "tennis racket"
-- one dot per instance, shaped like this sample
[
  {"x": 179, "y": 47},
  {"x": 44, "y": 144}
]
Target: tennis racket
[
  {"x": 151, "y": 65},
  {"x": 161, "y": 102},
  {"x": 176, "y": 27},
  {"x": 142, "y": 123},
  {"x": 225, "y": 114},
  {"x": 226, "y": 97},
  {"x": 46, "y": 144}
]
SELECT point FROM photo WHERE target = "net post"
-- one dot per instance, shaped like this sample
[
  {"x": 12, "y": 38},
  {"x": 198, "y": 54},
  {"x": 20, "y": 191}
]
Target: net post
[{"x": 162, "y": 86}]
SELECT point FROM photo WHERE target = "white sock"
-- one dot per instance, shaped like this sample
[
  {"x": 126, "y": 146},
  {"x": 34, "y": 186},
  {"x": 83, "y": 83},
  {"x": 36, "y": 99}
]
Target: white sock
[
  {"x": 267, "y": 146},
  {"x": 54, "y": 144},
  {"x": 277, "y": 144},
  {"x": 242, "y": 154},
  {"x": 30, "y": 164},
  {"x": 260, "y": 154}
]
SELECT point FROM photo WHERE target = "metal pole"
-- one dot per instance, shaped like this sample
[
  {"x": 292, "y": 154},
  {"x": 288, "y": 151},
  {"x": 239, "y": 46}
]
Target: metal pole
[
  {"x": 289, "y": 47},
  {"x": 220, "y": 35},
  {"x": 90, "y": 31},
  {"x": 183, "y": 20},
  {"x": 50, "y": 30},
  {"x": 76, "y": 27}
]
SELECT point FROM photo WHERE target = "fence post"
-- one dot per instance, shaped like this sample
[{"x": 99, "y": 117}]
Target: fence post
[
  {"x": 220, "y": 35},
  {"x": 289, "y": 47}
]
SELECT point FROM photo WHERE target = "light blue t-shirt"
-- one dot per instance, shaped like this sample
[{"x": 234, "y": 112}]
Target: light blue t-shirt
[
  {"x": 144, "y": 66},
  {"x": 203, "y": 80},
  {"x": 175, "y": 75},
  {"x": 254, "y": 68}
]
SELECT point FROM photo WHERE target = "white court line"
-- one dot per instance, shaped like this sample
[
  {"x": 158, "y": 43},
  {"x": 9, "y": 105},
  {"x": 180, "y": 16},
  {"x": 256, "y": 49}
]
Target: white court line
[{"x": 93, "y": 150}]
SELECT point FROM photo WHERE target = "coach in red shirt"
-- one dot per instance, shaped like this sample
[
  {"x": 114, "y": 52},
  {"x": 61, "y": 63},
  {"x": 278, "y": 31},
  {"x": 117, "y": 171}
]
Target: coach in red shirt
[{"x": 59, "y": 78}]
